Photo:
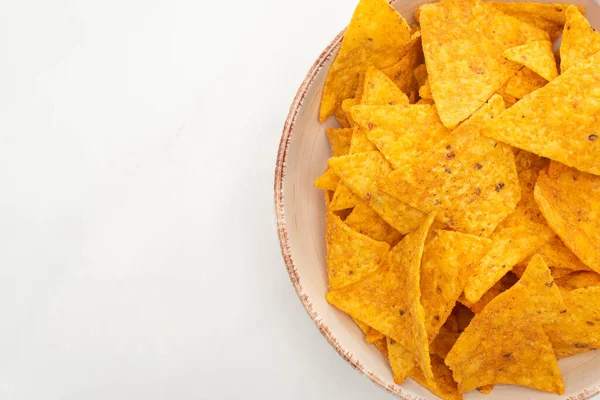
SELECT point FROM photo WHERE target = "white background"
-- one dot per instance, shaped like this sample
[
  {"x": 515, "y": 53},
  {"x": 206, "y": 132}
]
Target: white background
[{"x": 138, "y": 251}]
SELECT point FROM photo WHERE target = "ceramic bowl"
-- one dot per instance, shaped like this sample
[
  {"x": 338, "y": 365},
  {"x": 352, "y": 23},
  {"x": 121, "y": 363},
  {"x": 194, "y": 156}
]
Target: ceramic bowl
[{"x": 300, "y": 209}]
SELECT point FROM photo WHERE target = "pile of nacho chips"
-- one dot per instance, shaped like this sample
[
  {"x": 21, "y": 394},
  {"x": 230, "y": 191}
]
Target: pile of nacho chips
[{"x": 463, "y": 191}]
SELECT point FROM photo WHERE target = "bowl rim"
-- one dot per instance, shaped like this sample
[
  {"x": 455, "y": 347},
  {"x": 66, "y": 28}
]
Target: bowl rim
[{"x": 284, "y": 241}]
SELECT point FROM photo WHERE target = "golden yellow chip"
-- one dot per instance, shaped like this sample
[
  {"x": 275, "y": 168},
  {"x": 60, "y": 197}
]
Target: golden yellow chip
[
  {"x": 527, "y": 209},
  {"x": 537, "y": 56},
  {"x": 425, "y": 91},
  {"x": 547, "y": 17},
  {"x": 509, "y": 100},
  {"x": 339, "y": 139},
  {"x": 328, "y": 181},
  {"x": 510, "y": 246},
  {"x": 525, "y": 81},
  {"x": 381, "y": 345},
  {"x": 505, "y": 343},
  {"x": 363, "y": 327},
  {"x": 559, "y": 121},
  {"x": 401, "y": 72},
  {"x": 570, "y": 202},
  {"x": 374, "y": 335},
  {"x": 579, "y": 41},
  {"x": 577, "y": 330},
  {"x": 560, "y": 272},
  {"x": 366, "y": 221},
  {"x": 443, "y": 342},
  {"x": 400, "y": 133},
  {"x": 347, "y": 105},
  {"x": 472, "y": 181},
  {"x": 421, "y": 74},
  {"x": 341, "y": 117},
  {"x": 444, "y": 386},
  {"x": 377, "y": 35},
  {"x": 546, "y": 300},
  {"x": 350, "y": 256},
  {"x": 463, "y": 42},
  {"x": 389, "y": 300},
  {"x": 505, "y": 283},
  {"x": 360, "y": 172},
  {"x": 559, "y": 257},
  {"x": 578, "y": 280},
  {"x": 343, "y": 198},
  {"x": 401, "y": 360},
  {"x": 380, "y": 89},
  {"x": 526, "y": 160},
  {"x": 360, "y": 142},
  {"x": 425, "y": 102},
  {"x": 447, "y": 260}
]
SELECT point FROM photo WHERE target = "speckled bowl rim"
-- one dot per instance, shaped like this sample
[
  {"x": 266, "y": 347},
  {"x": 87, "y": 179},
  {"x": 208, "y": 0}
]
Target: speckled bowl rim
[{"x": 284, "y": 241}]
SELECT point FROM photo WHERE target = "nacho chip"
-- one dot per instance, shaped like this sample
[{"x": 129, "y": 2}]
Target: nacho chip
[
  {"x": 527, "y": 209},
  {"x": 421, "y": 74},
  {"x": 505, "y": 343},
  {"x": 559, "y": 121},
  {"x": 463, "y": 41},
  {"x": 546, "y": 301},
  {"x": 443, "y": 342},
  {"x": 343, "y": 198},
  {"x": 580, "y": 40},
  {"x": 425, "y": 91},
  {"x": 350, "y": 256},
  {"x": 510, "y": 246},
  {"x": 505, "y": 283},
  {"x": 401, "y": 72},
  {"x": 380, "y": 89},
  {"x": 328, "y": 181},
  {"x": 525, "y": 81},
  {"x": 425, "y": 102},
  {"x": 381, "y": 345},
  {"x": 400, "y": 133},
  {"x": 471, "y": 180},
  {"x": 374, "y": 336},
  {"x": 341, "y": 117},
  {"x": 366, "y": 221},
  {"x": 447, "y": 260},
  {"x": 401, "y": 360},
  {"x": 559, "y": 257},
  {"x": 444, "y": 387},
  {"x": 360, "y": 142},
  {"x": 570, "y": 201},
  {"x": 389, "y": 300},
  {"x": 578, "y": 280},
  {"x": 339, "y": 139},
  {"x": 377, "y": 35},
  {"x": 526, "y": 160},
  {"x": 509, "y": 100},
  {"x": 360, "y": 173},
  {"x": 537, "y": 56},
  {"x": 346, "y": 106},
  {"x": 577, "y": 330}
]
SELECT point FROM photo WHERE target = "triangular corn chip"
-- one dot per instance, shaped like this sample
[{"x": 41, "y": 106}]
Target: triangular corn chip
[
  {"x": 401, "y": 72},
  {"x": 447, "y": 336},
  {"x": 444, "y": 387},
  {"x": 402, "y": 361},
  {"x": 447, "y": 259},
  {"x": 377, "y": 35},
  {"x": 523, "y": 82},
  {"x": 328, "y": 181},
  {"x": 471, "y": 180},
  {"x": 578, "y": 280},
  {"x": 505, "y": 283},
  {"x": 341, "y": 117},
  {"x": 526, "y": 160},
  {"x": 421, "y": 74},
  {"x": 570, "y": 201},
  {"x": 505, "y": 343},
  {"x": 559, "y": 121},
  {"x": 339, "y": 139},
  {"x": 510, "y": 246},
  {"x": 343, "y": 198},
  {"x": 558, "y": 256},
  {"x": 366, "y": 221},
  {"x": 463, "y": 41},
  {"x": 380, "y": 89},
  {"x": 537, "y": 56},
  {"x": 577, "y": 330},
  {"x": 527, "y": 209},
  {"x": 579, "y": 41},
  {"x": 351, "y": 256},
  {"x": 360, "y": 142},
  {"x": 360, "y": 172},
  {"x": 545, "y": 296}
]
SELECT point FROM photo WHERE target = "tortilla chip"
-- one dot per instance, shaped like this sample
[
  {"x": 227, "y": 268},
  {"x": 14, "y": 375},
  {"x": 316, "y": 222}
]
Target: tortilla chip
[
  {"x": 363, "y": 327},
  {"x": 527, "y": 209},
  {"x": 505, "y": 283},
  {"x": 380, "y": 89},
  {"x": 366, "y": 221},
  {"x": 360, "y": 173},
  {"x": 509, "y": 100},
  {"x": 339, "y": 139},
  {"x": 546, "y": 300},
  {"x": 389, "y": 300},
  {"x": 351, "y": 256},
  {"x": 547, "y": 17},
  {"x": 505, "y": 343},
  {"x": 559, "y": 257},
  {"x": 328, "y": 181},
  {"x": 421, "y": 74},
  {"x": 471, "y": 180},
  {"x": 341, "y": 117},
  {"x": 343, "y": 198},
  {"x": 579, "y": 41},
  {"x": 578, "y": 280},
  {"x": 381, "y": 345},
  {"x": 444, "y": 386},
  {"x": 525, "y": 81},
  {"x": 463, "y": 41},
  {"x": 374, "y": 336},
  {"x": 443, "y": 342},
  {"x": 377, "y": 35},
  {"x": 570, "y": 201},
  {"x": 559, "y": 272},
  {"x": 400, "y": 133},
  {"x": 401, "y": 360},
  {"x": 510, "y": 246},
  {"x": 537, "y": 56},
  {"x": 577, "y": 330},
  {"x": 425, "y": 91},
  {"x": 559, "y": 121},
  {"x": 526, "y": 160},
  {"x": 346, "y": 106},
  {"x": 360, "y": 142},
  {"x": 401, "y": 72},
  {"x": 447, "y": 260}
]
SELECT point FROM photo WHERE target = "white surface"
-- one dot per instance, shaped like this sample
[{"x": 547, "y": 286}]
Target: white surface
[{"x": 139, "y": 256}]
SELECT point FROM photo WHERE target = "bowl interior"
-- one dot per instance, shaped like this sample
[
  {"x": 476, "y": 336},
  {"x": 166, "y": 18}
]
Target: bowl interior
[{"x": 301, "y": 217}]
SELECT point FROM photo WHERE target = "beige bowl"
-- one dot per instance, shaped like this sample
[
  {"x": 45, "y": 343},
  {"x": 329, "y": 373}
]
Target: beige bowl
[{"x": 300, "y": 208}]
